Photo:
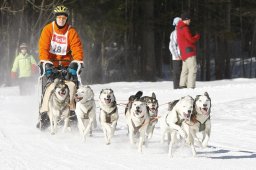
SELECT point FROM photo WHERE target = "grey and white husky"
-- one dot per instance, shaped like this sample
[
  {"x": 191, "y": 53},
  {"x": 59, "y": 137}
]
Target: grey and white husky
[
  {"x": 59, "y": 106},
  {"x": 178, "y": 120},
  {"x": 108, "y": 113},
  {"x": 201, "y": 118},
  {"x": 85, "y": 110}
]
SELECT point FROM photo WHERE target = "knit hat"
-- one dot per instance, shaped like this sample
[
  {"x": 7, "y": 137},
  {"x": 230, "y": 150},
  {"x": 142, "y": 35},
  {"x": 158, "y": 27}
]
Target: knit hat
[
  {"x": 23, "y": 45},
  {"x": 176, "y": 20},
  {"x": 185, "y": 16}
]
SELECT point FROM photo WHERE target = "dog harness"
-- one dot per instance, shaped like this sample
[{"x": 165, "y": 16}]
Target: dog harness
[
  {"x": 153, "y": 119},
  {"x": 108, "y": 115},
  {"x": 202, "y": 125},
  {"x": 86, "y": 115},
  {"x": 137, "y": 128},
  {"x": 179, "y": 122}
]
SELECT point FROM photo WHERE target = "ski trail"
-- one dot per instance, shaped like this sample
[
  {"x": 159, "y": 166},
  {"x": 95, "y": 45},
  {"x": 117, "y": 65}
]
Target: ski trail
[{"x": 22, "y": 146}]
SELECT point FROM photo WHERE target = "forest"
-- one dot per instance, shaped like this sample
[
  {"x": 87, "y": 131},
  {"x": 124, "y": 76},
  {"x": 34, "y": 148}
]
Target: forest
[{"x": 128, "y": 40}]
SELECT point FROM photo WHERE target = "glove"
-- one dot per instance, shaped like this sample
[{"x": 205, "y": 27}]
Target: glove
[
  {"x": 74, "y": 66},
  {"x": 197, "y": 36},
  {"x": 46, "y": 67},
  {"x": 13, "y": 75}
]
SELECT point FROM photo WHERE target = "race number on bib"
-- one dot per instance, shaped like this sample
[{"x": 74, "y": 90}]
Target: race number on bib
[{"x": 59, "y": 43}]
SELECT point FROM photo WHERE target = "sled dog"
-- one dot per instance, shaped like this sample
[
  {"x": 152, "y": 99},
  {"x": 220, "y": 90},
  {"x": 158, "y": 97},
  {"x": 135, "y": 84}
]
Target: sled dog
[
  {"x": 59, "y": 106},
  {"x": 85, "y": 110},
  {"x": 176, "y": 120},
  {"x": 137, "y": 118},
  {"x": 152, "y": 105},
  {"x": 108, "y": 113},
  {"x": 201, "y": 118}
]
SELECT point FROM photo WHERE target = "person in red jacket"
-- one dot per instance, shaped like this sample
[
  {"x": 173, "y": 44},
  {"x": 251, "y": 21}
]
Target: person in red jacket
[{"x": 187, "y": 46}]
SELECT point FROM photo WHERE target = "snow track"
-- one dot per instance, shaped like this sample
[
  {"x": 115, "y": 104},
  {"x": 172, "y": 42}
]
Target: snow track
[{"x": 232, "y": 142}]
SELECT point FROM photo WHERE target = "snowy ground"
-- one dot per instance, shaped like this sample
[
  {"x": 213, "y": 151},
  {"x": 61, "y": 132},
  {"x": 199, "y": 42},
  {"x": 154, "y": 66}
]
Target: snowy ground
[{"x": 232, "y": 144}]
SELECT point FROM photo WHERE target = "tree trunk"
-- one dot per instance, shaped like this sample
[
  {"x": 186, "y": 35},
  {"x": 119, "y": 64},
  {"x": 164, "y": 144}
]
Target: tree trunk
[
  {"x": 148, "y": 39},
  {"x": 227, "y": 42}
]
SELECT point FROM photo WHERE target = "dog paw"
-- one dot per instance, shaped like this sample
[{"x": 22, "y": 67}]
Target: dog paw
[
  {"x": 170, "y": 155},
  {"x": 198, "y": 143},
  {"x": 188, "y": 141},
  {"x": 149, "y": 136},
  {"x": 132, "y": 142},
  {"x": 83, "y": 139},
  {"x": 204, "y": 145},
  {"x": 140, "y": 150},
  {"x": 69, "y": 129}
]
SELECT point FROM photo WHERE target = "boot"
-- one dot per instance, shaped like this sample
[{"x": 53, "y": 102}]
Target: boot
[
  {"x": 44, "y": 121},
  {"x": 72, "y": 118}
]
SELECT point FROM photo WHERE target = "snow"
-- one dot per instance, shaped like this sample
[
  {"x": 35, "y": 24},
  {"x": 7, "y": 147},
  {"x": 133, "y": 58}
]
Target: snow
[{"x": 231, "y": 146}]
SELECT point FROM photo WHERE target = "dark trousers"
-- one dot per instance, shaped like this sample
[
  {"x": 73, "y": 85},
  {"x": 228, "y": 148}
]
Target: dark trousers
[{"x": 176, "y": 71}]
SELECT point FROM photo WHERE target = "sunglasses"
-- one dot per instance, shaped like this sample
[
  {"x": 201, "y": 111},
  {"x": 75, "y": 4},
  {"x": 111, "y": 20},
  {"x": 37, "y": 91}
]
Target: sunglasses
[{"x": 62, "y": 17}]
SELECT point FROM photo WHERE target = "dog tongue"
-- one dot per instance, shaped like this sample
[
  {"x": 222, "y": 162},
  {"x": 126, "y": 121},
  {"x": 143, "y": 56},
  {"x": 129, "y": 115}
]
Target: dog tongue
[
  {"x": 77, "y": 99},
  {"x": 204, "y": 110},
  {"x": 62, "y": 93}
]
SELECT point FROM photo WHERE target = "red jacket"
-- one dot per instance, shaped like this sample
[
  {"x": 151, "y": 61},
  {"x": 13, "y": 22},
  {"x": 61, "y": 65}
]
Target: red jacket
[{"x": 186, "y": 41}]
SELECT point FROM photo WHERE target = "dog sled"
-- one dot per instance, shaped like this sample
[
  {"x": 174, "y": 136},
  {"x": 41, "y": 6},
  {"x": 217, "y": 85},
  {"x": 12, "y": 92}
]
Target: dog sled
[{"x": 49, "y": 78}]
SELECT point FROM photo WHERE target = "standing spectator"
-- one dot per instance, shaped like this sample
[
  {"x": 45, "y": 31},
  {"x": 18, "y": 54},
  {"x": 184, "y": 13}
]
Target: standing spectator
[
  {"x": 176, "y": 60},
  {"x": 186, "y": 43},
  {"x": 24, "y": 67}
]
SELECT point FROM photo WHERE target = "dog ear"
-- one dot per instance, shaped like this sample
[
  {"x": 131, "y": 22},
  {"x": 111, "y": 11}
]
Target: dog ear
[
  {"x": 153, "y": 95},
  {"x": 138, "y": 94},
  {"x": 56, "y": 81},
  {"x": 197, "y": 96},
  {"x": 66, "y": 86},
  {"x": 131, "y": 98},
  {"x": 172, "y": 104},
  {"x": 206, "y": 94},
  {"x": 191, "y": 97}
]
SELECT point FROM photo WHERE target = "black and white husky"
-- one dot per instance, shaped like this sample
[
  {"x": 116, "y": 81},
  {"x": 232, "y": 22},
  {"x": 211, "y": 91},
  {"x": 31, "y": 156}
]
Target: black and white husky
[
  {"x": 108, "y": 113},
  {"x": 177, "y": 120},
  {"x": 85, "y": 110},
  {"x": 152, "y": 104},
  {"x": 201, "y": 118},
  {"x": 59, "y": 106}
]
